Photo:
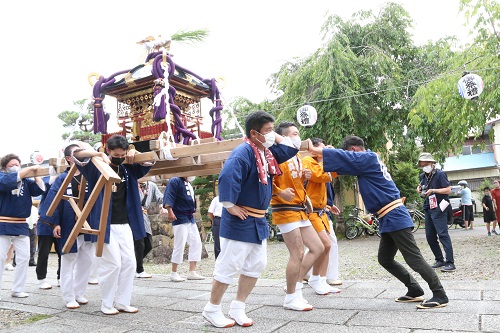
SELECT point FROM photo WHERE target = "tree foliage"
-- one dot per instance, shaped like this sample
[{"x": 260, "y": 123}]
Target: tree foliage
[{"x": 79, "y": 124}]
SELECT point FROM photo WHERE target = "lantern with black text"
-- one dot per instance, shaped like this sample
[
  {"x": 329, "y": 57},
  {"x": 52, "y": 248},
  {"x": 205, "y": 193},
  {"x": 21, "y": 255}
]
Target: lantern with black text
[{"x": 470, "y": 86}]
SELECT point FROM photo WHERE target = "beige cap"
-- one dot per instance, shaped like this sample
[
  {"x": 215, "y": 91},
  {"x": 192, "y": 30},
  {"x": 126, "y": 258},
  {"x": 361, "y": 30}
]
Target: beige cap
[{"x": 426, "y": 157}]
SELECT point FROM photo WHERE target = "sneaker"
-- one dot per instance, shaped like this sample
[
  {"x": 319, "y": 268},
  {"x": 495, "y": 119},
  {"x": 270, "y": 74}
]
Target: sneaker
[
  {"x": 93, "y": 281},
  {"x": 9, "y": 267},
  {"x": 193, "y": 275},
  {"x": 213, "y": 314},
  {"x": 109, "y": 311},
  {"x": 237, "y": 312},
  {"x": 494, "y": 231},
  {"x": 81, "y": 300},
  {"x": 438, "y": 264},
  {"x": 489, "y": 233},
  {"x": 333, "y": 282},
  {"x": 72, "y": 305},
  {"x": 32, "y": 264},
  {"x": 295, "y": 302},
  {"x": 448, "y": 268},
  {"x": 175, "y": 277},
  {"x": 42, "y": 284},
  {"x": 332, "y": 290},
  {"x": 19, "y": 294},
  {"x": 126, "y": 308},
  {"x": 318, "y": 287},
  {"x": 143, "y": 275}
]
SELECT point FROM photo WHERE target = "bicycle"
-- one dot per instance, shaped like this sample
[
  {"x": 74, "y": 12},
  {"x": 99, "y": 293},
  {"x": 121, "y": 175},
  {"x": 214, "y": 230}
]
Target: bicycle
[
  {"x": 416, "y": 215},
  {"x": 355, "y": 225}
]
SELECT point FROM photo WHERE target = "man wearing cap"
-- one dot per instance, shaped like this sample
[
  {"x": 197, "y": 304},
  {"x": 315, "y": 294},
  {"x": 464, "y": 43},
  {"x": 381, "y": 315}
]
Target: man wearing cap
[{"x": 434, "y": 187}]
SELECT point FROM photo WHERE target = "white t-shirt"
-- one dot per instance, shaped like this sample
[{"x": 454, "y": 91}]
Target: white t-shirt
[{"x": 215, "y": 207}]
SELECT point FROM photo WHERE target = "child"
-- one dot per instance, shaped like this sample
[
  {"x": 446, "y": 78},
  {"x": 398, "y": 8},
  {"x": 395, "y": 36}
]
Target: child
[{"x": 489, "y": 213}]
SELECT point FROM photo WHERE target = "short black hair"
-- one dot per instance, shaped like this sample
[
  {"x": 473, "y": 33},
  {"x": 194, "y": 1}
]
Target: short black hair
[
  {"x": 283, "y": 127},
  {"x": 256, "y": 120},
  {"x": 486, "y": 188},
  {"x": 117, "y": 141},
  {"x": 352, "y": 141},
  {"x": 317, "y": 141},
  {"x": 7, "y": 158},
  {"x": 69, "y": 149}
]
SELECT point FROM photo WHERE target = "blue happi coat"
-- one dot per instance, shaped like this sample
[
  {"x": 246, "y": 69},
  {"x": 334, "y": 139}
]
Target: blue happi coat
[
  {"x": 131, "y": 172},
  {"x": 375, "y": 184},
  {"x": 64, "y": 215},
  {"x": 16, "y": 205},
  {"x": 176, "y": 196},
  {"x": 239, "y": 184}
]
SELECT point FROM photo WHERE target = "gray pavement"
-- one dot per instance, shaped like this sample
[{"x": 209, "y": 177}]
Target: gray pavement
[{"x": 165, "y": 306}]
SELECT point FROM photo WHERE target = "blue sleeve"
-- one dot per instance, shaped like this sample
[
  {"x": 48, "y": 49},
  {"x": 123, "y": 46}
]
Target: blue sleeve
[
  {"x": 171, "y": 192},
  {"x": 345, "y": 162},
  {"x": 283, "y": 153},
  {"x": 231, "y": 178},
  {"x": 8, "y": 181},
  {"x": 34, "y": 189},
  {"x": 443, "y": 181},
  {"x": 51, "y": 194}
]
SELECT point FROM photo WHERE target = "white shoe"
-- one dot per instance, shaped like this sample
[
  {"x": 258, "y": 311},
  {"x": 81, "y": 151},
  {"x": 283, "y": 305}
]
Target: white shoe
[
  {"x": 9, "y": 267},
  {"x": 333, "y": 282},
  {"x": 332, "y": 290},
  {"x": 237, "y": 312},
  {"x": 58, "y": 282},
  {"x": 295, "y": 302},
  {"x": 175, "y": 277},
  {"x": 42, "y": 284},
  {"x": 193, "y": 275},
  {"x": 19, "y": 294},
  {"x": 81, "y": 300},
  {"x": 214, "y": 315},
  {"x": 109, "y": 311},
  {"x": 318, "y": 287},
  {"x": 72, "y": 305},
  {"x": 126, "y": 308},
  {"x": 93, "y": 281},
  {"x": 143, "y": 275}
]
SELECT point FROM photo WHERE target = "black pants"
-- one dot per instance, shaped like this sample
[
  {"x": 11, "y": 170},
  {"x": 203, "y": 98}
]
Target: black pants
[
  {"x": 32, "y": 245},
  {"x": 404, "y": 241},
  {"x": 44, "y": 246},
  {"x": 216, "y": 234},
  {"x": 142, "y": 247}
]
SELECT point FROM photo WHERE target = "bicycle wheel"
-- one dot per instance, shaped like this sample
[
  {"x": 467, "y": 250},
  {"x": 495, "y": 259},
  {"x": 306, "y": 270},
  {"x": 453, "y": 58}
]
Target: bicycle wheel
[
  {"x": 272, "y": 233},
  {"x": 417, "y": 220},
  {"x": 351, "y": 229}
]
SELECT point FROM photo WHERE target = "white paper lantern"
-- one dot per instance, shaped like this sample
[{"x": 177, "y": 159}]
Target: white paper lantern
[
  {"x": 470, "y": 86},
  {"x": 36, "y": 157},
  {"x": 307, "y": 115}
]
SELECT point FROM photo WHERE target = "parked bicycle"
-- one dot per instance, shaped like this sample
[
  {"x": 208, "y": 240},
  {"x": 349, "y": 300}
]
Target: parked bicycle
[
  {"x": 355, "y": 225},
  {"x": 416, "y": 214}
]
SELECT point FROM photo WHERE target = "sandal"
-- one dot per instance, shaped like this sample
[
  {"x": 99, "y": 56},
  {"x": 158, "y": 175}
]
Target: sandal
[
  {"x": 431, "y": 305},
  {"x": 407, "y": 299}
]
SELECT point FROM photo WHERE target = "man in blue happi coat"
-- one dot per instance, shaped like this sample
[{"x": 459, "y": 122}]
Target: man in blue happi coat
[{"x": 245, "y": 189}]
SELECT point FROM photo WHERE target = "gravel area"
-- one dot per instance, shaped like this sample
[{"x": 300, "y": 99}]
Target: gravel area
[{"x": 476, "y": 257}]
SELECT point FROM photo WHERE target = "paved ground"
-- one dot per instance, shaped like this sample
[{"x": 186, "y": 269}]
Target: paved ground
[{"x": 362, "y": 306}]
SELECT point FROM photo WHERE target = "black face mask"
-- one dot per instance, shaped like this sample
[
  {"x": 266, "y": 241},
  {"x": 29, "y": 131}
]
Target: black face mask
[{"x": 117, "y": 160}]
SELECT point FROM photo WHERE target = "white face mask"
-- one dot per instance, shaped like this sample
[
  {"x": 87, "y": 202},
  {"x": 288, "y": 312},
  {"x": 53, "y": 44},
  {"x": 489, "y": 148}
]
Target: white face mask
[
  {"x": 296, "y": 141},
  {"x": 270, "y": 139},
  {"x": 427, "y": 168},
  {"x": 191, "y": 178},
  {"x": 13, "y": 169}
]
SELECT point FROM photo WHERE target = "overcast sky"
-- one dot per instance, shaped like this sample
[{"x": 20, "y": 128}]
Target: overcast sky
[{"x": 50, "y": 48}]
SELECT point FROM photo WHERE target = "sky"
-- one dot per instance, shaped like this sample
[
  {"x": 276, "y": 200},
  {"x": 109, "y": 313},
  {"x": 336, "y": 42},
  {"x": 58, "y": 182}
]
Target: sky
[{"x": 50, "y": 48}]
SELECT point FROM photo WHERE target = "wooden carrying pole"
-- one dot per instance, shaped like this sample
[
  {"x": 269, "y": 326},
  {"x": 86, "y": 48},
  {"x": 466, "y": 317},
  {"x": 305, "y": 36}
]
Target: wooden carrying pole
[{"x": 106, "y": 180}]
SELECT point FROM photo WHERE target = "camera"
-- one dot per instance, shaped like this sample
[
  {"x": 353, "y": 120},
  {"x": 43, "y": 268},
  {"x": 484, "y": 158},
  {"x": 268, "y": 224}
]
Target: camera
[{"x": 423, "y": 189}]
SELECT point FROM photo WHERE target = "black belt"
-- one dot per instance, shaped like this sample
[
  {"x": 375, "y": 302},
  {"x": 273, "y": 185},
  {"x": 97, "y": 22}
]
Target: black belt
[{"x": 285, "y": 207}]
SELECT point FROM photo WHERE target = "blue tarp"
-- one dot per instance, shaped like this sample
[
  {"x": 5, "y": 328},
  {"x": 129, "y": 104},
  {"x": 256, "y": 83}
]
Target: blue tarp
[{"x": 468, "y": 162}]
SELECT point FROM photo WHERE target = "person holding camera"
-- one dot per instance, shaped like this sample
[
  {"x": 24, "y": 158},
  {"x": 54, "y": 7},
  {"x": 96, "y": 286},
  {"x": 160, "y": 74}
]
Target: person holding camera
[{"x": 434, "y": 187}]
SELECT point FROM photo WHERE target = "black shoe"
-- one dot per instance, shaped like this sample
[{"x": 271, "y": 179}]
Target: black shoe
[
  {"x": 438, "y": 264},
  {"x": 32, "y": 263},
  {"x": 448, "y": 268}
]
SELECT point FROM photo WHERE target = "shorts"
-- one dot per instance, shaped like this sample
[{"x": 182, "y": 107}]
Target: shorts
[
  {"x": 468, "y": 213},
  {"x": 320, "y": 223},
  {"x": 287, "y": 227}
]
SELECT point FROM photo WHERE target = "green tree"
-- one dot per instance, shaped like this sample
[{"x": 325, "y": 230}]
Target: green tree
[
  {"x": 438, "y": 110},
  {"x": 79, "y": 123}
]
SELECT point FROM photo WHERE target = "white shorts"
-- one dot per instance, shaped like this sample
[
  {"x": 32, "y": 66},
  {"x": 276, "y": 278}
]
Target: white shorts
[
  {"x": 238, "y": 257},
  {"x": 287, "y": 227}
]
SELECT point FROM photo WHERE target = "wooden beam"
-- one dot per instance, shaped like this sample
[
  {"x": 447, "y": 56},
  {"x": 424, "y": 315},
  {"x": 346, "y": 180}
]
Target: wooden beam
[
  {"x": 176, "y": 170},
  {"x": 205, "y": 148}
]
